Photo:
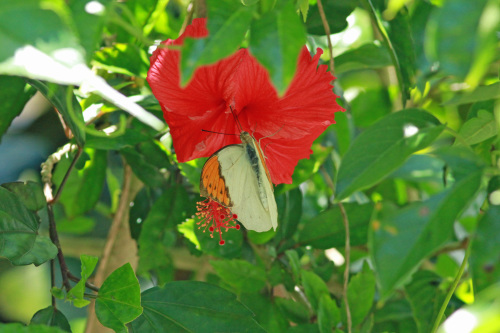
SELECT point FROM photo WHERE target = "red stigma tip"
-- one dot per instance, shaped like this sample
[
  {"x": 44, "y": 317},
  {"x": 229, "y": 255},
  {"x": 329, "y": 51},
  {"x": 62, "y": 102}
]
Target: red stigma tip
[
  {"x": 211, "y": 229},
  {"x": 235, "y": 216},
  {"x": 222, "y": 242},
  {"x": 237, "y": 227}
]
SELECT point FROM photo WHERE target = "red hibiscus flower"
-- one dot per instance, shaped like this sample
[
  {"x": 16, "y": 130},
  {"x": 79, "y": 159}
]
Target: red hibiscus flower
[{"x": 287, "y": 125}]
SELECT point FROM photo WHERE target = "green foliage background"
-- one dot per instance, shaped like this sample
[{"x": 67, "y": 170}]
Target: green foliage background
[{"x": 411, "y": 168}]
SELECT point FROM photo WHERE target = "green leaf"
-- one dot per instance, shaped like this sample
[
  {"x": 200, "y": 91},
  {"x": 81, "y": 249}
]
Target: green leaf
[
  {"x": 144, "y": 162},
  {"x": 314, "y": 288},
  {"x": 173, "y": 307},
  {"x": 130, "y": 137},
  {"x": 276, "y": 40},
  {"x": 336, "y": 12},
  {"x": 328, "y": 314},
  {"x": 294, "y": 311},
  {"x": 267, "y": 314},
  {"x": 240, "y": 274},
  {"x": 367, "y": 56},
  {"x": 425, "y": 299},
  {"x": 484, "y": 252},
  {"x": 19, "y": 239},
  {"x": 325, "y": 230},
  {"x": 290, "y": 213},
  {"x": 50, "y": 316},
  {"x": 453, "y": 42},
  {"x": 13, "y": 97},
  {"x": 126, "y": 59},
  {"x": 172, "y": 208},
  {"x": 79, "y": 225},
  {"x": 30, "y": 193},
  {"x": 294, "y": 262},
  {"x": 119, "y": 299},
  {"x": 384, "y": 147},
  {"x": 227, "y": 24},
  {"x": 482, "y": 93},
  {"x": 399, "y": 241},
  {"x": 83, "y": 187},
  {"x": 76, "y": 293},
  {"x": 20, "y": 328},
  {"x": 360, "y": 293},
  {"x": 58, "y": 97},
  {"x": 478, "y": 129}
]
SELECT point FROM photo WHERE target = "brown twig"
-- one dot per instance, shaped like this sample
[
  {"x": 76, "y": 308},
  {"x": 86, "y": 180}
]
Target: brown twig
[
  {"x": 53, "y": 280},
  {"x": 66, "y": 176},
  {"x": 345, "y": 220},
  {"x": 55, "y": 239},
  {"x": 188, "y": 18},
  {"x": 87, "y": 284}
]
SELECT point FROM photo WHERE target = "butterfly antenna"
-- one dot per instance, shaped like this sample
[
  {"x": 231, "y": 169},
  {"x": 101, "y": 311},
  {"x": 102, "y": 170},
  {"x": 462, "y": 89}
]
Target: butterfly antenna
[
  {"x": 218, "y": 132},
  {"x": 236, "y": 118}
]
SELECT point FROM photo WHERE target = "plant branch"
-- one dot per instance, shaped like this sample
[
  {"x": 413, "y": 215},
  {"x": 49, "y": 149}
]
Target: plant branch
[
  {"x": 87, "y": 284},
  {"x": 53, "y": 280},
  {"x": 327, "y": 31},
  {"x": 66, "y": 176},
  {"x": 55, "y": 239},
  {"x": 345, "y": 220},
  {"x": 460, "y": 272}
]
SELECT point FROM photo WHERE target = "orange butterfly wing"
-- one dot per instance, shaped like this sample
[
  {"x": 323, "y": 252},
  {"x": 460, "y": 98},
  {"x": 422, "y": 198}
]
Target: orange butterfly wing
[{"x": 212, "y": 183}]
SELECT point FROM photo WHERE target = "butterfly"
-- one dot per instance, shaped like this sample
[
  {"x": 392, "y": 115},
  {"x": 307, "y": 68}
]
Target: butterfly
[{"x": 237, "y": 177}]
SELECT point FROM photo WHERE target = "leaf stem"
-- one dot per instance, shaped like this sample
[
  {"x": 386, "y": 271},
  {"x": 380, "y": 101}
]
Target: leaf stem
[
  {"x": 87, "y": 284},
  {"x": 327, "y": 31},
  {"x": 458, "y": 277},
  {"x": 55, "y": 239},
  {"x": 53, "y": 281},
  {"x": 347, "y": 266},
  {"x": 66, "y": 176}
]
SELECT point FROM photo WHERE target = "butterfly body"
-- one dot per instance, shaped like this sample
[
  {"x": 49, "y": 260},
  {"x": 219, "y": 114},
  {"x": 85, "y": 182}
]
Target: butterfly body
[{"x": 236, "y": 177}]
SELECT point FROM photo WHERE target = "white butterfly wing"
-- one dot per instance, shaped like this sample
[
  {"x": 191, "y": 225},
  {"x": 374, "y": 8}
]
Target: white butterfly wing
[{"x": 242, "y": 183}]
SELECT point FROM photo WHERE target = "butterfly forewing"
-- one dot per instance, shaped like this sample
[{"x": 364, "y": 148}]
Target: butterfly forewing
[{"x": 212, "y": 183}]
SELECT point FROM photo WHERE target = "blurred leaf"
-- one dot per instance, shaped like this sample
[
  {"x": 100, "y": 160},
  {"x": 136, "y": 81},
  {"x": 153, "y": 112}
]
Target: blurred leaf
[
  {"x": 305, "y": 328},
  {"x": 328, "y": 314},
  {"x": 171, "y": 308},
  {"x": 50, "y": 316},
  {"x": 290, "y": 212},
  {"x": 30, "y": 193},
  {"x": 314, "y": 288},
  {"x": 89, "y": 24},
  {"x": 276, "y": 39},
  {"x": 83, "y": 187},
  {"x": 453, "y": 42},
  {"x": 294, "y": 262},
  {"x": 478, "y": 129},
  {"x": 149, "y": 162},
  {"x": 156, "y": 236},
  {"x": 394, "y": 311},
  {"x": 482, "y": 93},
  {"x": 303, "y": 6},
  {"x": 240, "y": 274},
  {"x": 370, "y": 55},
  {"x": 76, "y": 293},
  {"x": 192, "y": 171},
  {"x": 326, "y": 230},
  {"x": 360, "y": 293},
  {"x": 126, "y": 59},
  {"x": 119, "y": 299},
  {"x": 210, "y": 245},
  {"x": 20, "y": 328},
  {"x": 425, "y": 299},
  {"x": 19, "y": 239},
  {"x": 384, "y": 147},
  {"x": 399, "y": 241},
  {"x": 228, "y": 23},
  {"x": 78, "y": 225},
  {"x": 13, "y": 97},
  {"x": 420, "y": 168},
  {"x": 58, "y": 97},
  {"x": 296, "y": 312},
  {"x": 485, "y": 249},
  {"x": 130, "y": 137},
  {"x": 267, "y": 314},
  {"x": 336, "y": 12}
]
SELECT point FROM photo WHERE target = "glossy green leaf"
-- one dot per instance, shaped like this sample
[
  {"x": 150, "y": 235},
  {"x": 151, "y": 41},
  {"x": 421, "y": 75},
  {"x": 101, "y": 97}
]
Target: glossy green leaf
[
  {"x": 400, "y": 240},
  {"x": 173, "y": 307},
  {"x": 336, "y": 12},
  {"x": 50, "y": 316},
  {"x": 240, "y": 274},
  {"x": 328, "y": 314},
  {"x": 425, "y": 299},
  {"x": 119, "y": 299},
  {"x": 131, "y": 137},
  {"x": 143, "y": 159},
  {"x": 276, "y": 39},
  {"x": 30, "y": 193},
  {"x": 228, "y": 23},
  {"x": 58, "y": 97},
  {"x": 453, "y": 42},
  {"x": 482, "y": 93},
  {"x": 384, "y": 147},
  {"x": 267, "y": 314},
  {"x": 295, "y": 311},
  {"x": 172, "y": 208},
  {"x": 76, "y": 293},
  {"x": 122, "y": 58},
  {"x": 314, "y": 288},
  {"x": 290, "y": 213},
  {"x": 360, "y": 293},
  {"x": 370, "y": 55},
  {"x": 20, "y": 328},
  {"x": 326, "y": 230},
  {"x": 478, "y": 129},
  {"x": 83, "y": 187},
  {"x": 19, "y": 239},
  {"x": 13, "y": 97},
  {"x": 484, "y": 252}
]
